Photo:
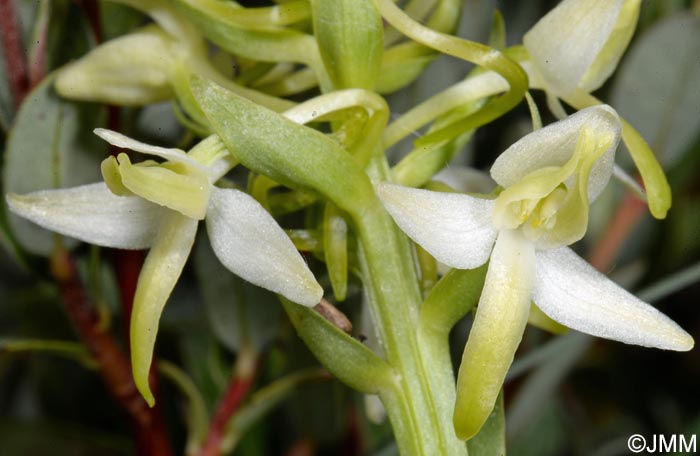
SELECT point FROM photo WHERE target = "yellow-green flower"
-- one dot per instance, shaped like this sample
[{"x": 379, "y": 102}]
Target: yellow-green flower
[{"x": 549, "y": 178}]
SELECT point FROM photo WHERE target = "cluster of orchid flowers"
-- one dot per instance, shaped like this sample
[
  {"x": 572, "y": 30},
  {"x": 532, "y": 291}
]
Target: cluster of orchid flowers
[{"x": 545, "y": 184}]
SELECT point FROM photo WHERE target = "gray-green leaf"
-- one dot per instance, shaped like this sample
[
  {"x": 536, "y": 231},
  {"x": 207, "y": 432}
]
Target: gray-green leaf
[
  {"x": 51, "y": 145},
  {"x": 658, "y": 86}
]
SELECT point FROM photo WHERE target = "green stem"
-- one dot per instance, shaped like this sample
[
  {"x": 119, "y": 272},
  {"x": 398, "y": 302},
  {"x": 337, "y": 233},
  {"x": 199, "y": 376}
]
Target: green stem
[{"x": 420, "y": 406}]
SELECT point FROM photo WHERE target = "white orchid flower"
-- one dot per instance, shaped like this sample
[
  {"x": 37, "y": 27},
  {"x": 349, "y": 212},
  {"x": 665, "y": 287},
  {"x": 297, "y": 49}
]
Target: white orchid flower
[
  {"x": 578, "y": 44},
  {"x": 548, "y": 179},
  {"x": 158, "y": 206}
]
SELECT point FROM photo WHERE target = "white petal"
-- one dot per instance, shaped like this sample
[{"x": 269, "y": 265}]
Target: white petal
[
  {"x": 454, "y": 228},
  {"x": 564, "y": 43},
  {"x": 571, "y": 292},
  {"x": 159, "y": 274},
  {"x": 92, "y": 214},
  {"x": 497, "y": 330},
  {"x": 466, "y": 180},
  {"x": 120, "y": 140},
  {"x": 555, "y": 144},
  {"x": 250, "y": 243}
]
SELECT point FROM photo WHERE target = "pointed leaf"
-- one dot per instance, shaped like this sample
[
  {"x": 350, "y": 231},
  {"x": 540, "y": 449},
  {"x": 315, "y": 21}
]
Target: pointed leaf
[
  {"x": 264, "y": 400},
  {"x": 291, "y": 154},
  {"x": 495, "y": 335},
  {"x": 456, "y": 229},
  {"x": 250, "y": 243},
  {"x": 49, "y": 147},
  {"x": 92, "y": 214},
  {"x": 335, "y": 250},
  {"x": 346, "y": 358},
  {"x": 160, "y": 272},
  {"x": 571, "y": 292},
  {"x": 451, "y": 299},
  {"x": 350, "y": 39}
]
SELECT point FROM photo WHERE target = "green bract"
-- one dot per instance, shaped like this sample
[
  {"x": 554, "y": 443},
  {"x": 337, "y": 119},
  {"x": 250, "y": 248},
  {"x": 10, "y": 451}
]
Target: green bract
[{"x": 349, "y": 35}]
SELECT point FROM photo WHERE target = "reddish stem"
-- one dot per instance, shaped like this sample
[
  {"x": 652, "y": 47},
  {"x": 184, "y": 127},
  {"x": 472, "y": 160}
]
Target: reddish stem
[
  {"x": 303, "y": 447},
  {"x": 92, "y": 12},
  {"x": 37, "y": 63},
  {"x": 15, "y": 61},
  {"x": 113, "y": 364},
  {"x": 606, "y": 250},
  {"x": 228, "y": 405}
]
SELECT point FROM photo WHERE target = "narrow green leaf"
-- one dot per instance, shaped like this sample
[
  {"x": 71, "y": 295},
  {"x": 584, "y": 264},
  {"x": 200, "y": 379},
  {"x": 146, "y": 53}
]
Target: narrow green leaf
[
  {"x": 350, "y": 39},
  {"x": 263, "y": 401},
  {"x": 294, "y": 155},
  {"x": 528, "y": 403},
  {"x": 335, "y": 249},
  {"x": 401, "y": 65},
  {"x": 51, "y": 145},
  {"x": 454, "y": 295},
  {"x": 497, "y": 39},
  {"x": 346, "y": 358},
  {"x": 262, "y": 44},
  {"x": 68, "y": 349},
  {"x": 196, "y": 416},
  {"x": 428, "y": 268},
  {"x": 470, "y": 51}
]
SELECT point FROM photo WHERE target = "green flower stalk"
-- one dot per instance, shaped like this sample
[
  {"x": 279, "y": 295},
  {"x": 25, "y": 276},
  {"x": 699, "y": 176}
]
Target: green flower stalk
[
  {"x": 549, "y": 178},
  {"x": 158, "y": 206}
]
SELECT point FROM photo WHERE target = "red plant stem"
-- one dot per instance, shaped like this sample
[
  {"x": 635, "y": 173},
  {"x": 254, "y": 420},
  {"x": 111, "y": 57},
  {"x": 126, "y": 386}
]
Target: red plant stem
[
  {"x": 92, "y": 12},
  {"x": 113, "y": 364},
  {"x": 302, "y": 447},
  {"x": 15, "y": 61},
  {"x": 233, "y": 397},
  {"x": 37, "y": 63},
  {"x": 606, "y": 250}
]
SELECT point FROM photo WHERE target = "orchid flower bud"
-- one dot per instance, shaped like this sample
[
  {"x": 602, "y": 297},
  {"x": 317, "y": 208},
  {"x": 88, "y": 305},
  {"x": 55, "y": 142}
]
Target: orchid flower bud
[
  {"x": 578, "y": 44},
  {"x": 129, "y": 71}
]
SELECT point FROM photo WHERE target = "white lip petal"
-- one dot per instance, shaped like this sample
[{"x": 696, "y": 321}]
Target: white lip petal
[
  {"x": 456, "y": 229},
  {"x": 572, "y": 292},
  {"x": 555, "y": 144},
  {"x": 496, "y": 333},
  {"x": 92, "y": 214},
  {"x": 564, "y": 43},
  {"x": 250, "y": 243}
]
